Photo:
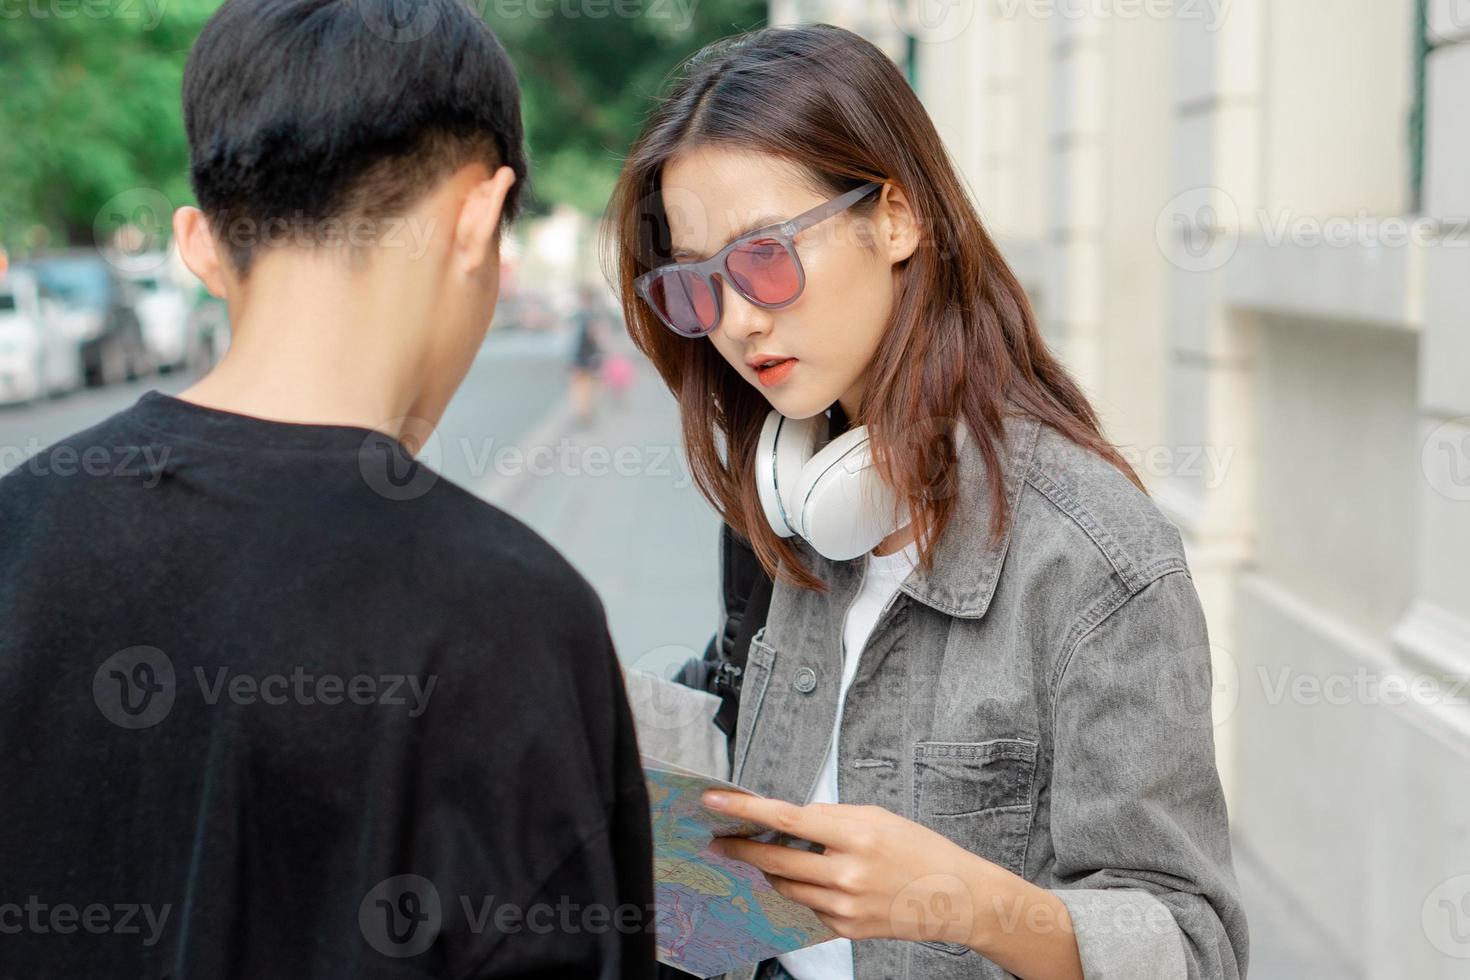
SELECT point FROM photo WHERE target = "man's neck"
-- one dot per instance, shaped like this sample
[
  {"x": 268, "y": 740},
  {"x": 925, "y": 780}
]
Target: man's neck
[{"x": 324, "y": 349}]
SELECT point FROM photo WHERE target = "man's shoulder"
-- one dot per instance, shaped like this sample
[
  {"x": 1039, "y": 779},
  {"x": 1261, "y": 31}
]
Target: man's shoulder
[
  {"x": 111, "y": 437},
  {"x": 488, "y": 550}
]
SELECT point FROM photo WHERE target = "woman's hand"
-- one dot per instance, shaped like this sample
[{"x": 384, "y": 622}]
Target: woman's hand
[{"x": 882, "y": 876}]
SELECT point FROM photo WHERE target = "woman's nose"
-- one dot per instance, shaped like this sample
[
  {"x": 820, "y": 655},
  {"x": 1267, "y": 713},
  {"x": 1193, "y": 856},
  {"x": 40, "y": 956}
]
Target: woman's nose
[{"x": 741, "y": 319}]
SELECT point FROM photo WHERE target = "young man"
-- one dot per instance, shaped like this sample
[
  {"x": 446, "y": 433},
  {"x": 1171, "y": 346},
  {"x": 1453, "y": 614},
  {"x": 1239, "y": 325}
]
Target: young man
[{"x": 275, "y": 700}]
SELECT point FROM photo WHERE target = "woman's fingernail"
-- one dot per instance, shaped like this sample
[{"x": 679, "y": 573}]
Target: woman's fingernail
[{"x": 715, "y": 801}]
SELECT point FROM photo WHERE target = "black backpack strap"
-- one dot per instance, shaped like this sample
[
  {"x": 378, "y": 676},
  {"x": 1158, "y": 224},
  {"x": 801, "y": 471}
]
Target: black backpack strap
[
  {"x": 747, "y": 590},
  {"x": 745, "y": 596}
]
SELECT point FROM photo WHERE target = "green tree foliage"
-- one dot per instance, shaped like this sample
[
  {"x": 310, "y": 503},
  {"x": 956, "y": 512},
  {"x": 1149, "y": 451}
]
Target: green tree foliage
[
  {"x": 590, "y": 70},
  {"x": 89, "y": 96},
  {"x": 90, "y": 109}
]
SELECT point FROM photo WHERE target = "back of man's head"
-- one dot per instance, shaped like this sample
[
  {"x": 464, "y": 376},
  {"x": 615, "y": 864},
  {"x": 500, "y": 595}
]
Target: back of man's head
[{"x": 311, "y": 122}]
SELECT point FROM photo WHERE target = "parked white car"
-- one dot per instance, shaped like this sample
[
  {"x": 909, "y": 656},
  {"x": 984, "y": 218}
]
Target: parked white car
[
  {"x": 37, "y": 357},
  {"x": 163, "y": 313}
]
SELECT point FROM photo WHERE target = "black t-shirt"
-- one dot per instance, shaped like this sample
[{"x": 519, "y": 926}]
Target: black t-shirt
[{"x": 277, "y": 701}]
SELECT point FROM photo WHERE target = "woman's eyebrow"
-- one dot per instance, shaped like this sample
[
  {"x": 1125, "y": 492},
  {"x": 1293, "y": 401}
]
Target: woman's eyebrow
[{"x": 759, "y": 221}]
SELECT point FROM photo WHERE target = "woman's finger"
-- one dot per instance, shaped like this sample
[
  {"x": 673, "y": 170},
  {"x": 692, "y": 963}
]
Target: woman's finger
[
  {"x": 814, "y": 897},
  {"x": 807, "y": 822},
  {"x": 780, "y": 859}
]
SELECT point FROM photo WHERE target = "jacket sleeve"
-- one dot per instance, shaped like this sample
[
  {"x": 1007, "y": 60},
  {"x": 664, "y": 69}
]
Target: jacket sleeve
[{"x": 1138, "y": 815}]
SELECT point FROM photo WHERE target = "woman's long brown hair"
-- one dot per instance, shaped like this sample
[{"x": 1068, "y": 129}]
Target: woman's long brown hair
[{"x": 962, "y": 339}]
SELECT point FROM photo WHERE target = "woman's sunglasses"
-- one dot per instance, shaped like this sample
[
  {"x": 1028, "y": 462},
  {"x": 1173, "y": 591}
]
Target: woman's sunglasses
[{"x": 761, "y": 266}]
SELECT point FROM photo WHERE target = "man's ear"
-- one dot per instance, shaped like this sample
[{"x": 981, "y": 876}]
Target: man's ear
[
  {"x": 476, "y": 245},
  {"x": 898, "y": 226},
  {"x": 198, "y": 249}
]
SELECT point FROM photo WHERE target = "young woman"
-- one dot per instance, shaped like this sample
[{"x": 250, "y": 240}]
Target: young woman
[{"x": 976, "y": 668}]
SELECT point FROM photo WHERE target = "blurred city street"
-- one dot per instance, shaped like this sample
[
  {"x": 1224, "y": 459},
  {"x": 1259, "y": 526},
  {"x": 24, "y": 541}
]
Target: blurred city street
[{"x": 614, "y": 496}]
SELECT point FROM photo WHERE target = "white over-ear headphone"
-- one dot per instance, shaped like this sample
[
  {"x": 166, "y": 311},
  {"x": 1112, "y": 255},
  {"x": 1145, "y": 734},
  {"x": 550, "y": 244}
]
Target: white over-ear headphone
[{"x": 832, "y": 496}]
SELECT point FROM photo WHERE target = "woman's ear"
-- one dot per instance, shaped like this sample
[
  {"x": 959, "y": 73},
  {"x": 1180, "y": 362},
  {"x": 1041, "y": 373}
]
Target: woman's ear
[
  {"x": 198, "y": 249},
  {"x": 898, "y": 225}
]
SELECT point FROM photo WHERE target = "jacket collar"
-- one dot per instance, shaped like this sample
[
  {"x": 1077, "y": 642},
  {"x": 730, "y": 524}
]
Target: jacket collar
[{"x": 966, "y": 564}]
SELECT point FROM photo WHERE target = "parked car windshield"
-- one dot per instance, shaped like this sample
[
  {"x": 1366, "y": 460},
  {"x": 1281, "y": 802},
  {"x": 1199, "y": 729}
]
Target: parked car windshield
[{"x": 76, "y": 282}]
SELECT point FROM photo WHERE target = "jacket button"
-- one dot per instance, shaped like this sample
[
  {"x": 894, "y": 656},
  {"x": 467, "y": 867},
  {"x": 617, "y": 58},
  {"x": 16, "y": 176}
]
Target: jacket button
[{"x": 805, "y": 680}]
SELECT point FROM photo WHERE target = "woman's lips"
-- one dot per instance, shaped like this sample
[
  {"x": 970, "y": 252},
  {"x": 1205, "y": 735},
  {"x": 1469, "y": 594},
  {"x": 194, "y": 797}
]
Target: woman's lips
[{"x": 776, "y": 373}]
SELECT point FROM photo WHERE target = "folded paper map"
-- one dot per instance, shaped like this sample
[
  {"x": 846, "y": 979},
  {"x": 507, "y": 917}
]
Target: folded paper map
[{"x": 715, "y": 914}]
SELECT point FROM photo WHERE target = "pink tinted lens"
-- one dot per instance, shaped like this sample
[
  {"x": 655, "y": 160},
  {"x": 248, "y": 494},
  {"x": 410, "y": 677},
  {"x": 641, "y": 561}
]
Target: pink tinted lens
[
  {"x": 685, "y": 301},
  {"x": 764, "y": 271}
]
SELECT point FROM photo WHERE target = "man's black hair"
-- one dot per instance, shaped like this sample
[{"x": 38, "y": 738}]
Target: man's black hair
[{"x": 313, "y": 120}]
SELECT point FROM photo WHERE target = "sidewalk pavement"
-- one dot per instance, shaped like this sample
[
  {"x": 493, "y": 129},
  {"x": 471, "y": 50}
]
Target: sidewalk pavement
[{"x": 617, "y": 500}]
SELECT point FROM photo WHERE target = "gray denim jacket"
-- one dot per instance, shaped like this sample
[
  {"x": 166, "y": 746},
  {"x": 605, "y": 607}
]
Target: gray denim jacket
[{"x": 1043, "y": 703}]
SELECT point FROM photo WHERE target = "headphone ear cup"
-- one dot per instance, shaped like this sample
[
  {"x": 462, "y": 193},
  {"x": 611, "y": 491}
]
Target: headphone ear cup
[
  {"x": 841, "y": 505},
  {"x": 782, "y": 452}
]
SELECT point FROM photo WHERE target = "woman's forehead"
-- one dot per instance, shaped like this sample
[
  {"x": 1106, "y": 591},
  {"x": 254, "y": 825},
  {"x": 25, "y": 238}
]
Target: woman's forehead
[{"x": 713, "y": 194}]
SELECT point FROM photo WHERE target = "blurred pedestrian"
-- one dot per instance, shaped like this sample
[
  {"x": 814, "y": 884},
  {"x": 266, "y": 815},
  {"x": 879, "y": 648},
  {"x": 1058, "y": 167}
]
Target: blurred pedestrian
[
  {"x": 618, "y": 376},
  {"x": 589, "y": 346}
]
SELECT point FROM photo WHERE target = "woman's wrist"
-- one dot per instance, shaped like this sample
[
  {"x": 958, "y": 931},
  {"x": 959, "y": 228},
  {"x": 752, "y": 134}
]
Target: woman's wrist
[
  {"x": 1021, "y": 927},
  {"x": 989, "y": 888}
]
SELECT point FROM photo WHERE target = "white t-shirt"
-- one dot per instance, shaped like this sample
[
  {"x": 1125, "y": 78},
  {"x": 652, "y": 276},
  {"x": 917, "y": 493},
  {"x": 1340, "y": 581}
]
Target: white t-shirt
[{"x": 885, "y": 573}]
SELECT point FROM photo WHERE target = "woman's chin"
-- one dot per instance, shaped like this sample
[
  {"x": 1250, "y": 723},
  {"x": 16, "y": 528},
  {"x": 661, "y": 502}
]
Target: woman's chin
[{"x": 799, "y": 405}]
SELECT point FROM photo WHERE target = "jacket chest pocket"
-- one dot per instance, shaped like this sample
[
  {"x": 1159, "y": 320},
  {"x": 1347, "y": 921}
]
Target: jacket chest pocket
[{"x": 978, "y": 794}]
